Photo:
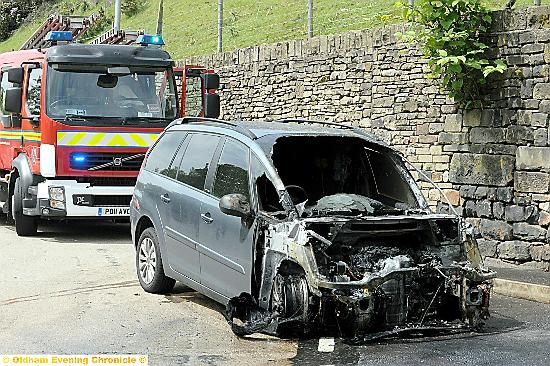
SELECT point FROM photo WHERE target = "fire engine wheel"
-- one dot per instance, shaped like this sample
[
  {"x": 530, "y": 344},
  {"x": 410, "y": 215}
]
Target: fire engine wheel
[{"x": 24, "y": 225}]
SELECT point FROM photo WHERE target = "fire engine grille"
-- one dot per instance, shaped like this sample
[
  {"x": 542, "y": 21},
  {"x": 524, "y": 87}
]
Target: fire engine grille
[
  {"x": 112, "y": 200},
  {"x": 107, "y": 181},
  {"x": 101, "y": 161}
]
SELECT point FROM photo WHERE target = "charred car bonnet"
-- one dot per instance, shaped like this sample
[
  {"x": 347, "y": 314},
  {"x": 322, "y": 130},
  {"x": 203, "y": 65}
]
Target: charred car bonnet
[{"x": 332, "y": 230}]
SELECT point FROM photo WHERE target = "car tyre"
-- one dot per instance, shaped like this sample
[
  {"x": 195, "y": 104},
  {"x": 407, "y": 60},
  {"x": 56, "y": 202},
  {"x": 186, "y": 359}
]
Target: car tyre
[
  {"x": 150, "y": 270},
  {"x": 290, "y": 297},
  {"x": 24, "y": 225}
]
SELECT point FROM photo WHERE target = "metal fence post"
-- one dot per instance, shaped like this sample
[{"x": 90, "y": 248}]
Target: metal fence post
[
  {"x": 310, "y": 18},
  {"x": 220, "y": 24}
]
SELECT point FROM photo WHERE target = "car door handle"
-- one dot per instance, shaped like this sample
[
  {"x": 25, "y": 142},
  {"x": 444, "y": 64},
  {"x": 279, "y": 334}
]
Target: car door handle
[
  {"x": 165, "y": 198},
  {"x": 207, "y": 218}
]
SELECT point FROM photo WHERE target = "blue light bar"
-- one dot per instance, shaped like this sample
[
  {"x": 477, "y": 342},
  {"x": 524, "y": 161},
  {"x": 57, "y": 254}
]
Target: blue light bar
[
  {"x": 147, "y": 39},
  {"x": 57, "y": 36}
]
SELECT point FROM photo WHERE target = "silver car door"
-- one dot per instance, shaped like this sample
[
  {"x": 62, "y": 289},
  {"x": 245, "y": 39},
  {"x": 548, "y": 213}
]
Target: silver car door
[
  {"x": 185, "y": 201},
  {"x": 226, "y": 242}
]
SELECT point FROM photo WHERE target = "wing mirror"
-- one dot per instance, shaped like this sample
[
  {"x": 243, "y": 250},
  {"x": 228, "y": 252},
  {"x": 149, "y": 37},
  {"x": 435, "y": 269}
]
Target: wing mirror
[
  {"x": 15, "y": 75},
  {"x": 212, "y": 105},
  {"x": 12, "y": 100},
  {"x": 211, "y": 81},
  {"x": 235, "y": 204}
]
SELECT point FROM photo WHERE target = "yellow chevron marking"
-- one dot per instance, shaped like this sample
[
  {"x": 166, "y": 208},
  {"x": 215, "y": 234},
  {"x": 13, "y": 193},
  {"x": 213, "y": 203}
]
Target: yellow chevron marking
[
  {"x": 126, "y": 139},
  {"x": 76, "y": 138},
  {"x": 117, "y": 140},
  {"x": 96, "y": 139},
  {"x": 138, "y": 140}
]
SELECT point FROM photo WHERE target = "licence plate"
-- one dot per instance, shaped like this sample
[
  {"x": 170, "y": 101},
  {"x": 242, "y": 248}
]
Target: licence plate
[{"x": 113, "y": 211}]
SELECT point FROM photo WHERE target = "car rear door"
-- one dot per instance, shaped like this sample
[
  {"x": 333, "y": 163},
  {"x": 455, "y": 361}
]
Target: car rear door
[
  {"x": 185, "y": 197},
  {"x": 226, "y": 242},
  {"x": 162, "y": 189}
]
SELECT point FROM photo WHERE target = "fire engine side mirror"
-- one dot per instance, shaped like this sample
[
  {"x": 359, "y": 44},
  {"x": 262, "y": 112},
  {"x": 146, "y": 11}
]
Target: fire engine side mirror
[
  {"x": 15, "y": 75},
  {"x": 211, "y": 81},
  {"x": 12, "y": 100},
  {"x": 211, "y": 105}
]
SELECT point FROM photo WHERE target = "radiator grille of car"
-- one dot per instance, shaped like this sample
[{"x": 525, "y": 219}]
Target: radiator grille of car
[{"x": 100, "y": 161}]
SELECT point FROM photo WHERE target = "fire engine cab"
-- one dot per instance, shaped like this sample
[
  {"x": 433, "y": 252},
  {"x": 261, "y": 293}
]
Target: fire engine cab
[{"x": 77, "y": 119}]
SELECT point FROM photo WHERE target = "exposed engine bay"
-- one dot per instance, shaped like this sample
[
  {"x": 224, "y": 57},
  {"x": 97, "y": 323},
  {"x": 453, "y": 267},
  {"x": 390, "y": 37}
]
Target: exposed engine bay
[
  {"x": 371, "y": 278},
  {"x": 363, "y": 257}
]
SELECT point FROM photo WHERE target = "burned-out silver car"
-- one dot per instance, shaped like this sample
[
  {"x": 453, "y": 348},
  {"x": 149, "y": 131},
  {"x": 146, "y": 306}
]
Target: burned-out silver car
[{"x": 302, "y": 225}]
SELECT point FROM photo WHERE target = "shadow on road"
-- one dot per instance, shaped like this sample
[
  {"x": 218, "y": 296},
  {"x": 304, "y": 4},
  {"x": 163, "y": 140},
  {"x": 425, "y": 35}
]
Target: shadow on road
[
  {"x": 347, "y": 354},
  {"x": 182, "y": 293},
  {"x": 74, "y": 231}
]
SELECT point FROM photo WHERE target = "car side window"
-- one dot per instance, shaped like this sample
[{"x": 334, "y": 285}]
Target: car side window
[
  {"x": 268, "y": 198},
  {"x": 160, "y": 157},
  {"x": 196, "y": 160},
  {"x": 172, "y": 171},
  {"x": 232, "y": 170}
]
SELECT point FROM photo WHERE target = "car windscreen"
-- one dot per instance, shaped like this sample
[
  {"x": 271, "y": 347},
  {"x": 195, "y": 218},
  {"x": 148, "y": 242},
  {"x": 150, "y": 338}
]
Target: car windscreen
[
  {"x": 108, "y": 95},
  {"x": 342, "y": 174}
]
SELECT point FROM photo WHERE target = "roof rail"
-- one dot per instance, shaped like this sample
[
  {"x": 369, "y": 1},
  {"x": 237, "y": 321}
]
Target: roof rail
[
  {"x": 302, "y": 120},
  {"x": 237, "y": 127},
  {"x": 355, "y": 129}
]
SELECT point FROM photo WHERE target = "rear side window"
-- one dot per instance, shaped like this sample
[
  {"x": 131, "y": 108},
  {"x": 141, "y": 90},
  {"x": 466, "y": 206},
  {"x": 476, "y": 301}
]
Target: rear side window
[
  {"x": 232, "y": 170},
  {"x": 196, "y": 160},
  {"x": 160, "y": 157}
]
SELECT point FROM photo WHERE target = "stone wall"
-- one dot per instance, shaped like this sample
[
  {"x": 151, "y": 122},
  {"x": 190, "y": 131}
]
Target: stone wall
[{"x": 493, "y": 164}]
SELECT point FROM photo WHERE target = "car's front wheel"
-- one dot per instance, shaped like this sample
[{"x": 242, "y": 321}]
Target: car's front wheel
[{"x": 150, "y": 270}]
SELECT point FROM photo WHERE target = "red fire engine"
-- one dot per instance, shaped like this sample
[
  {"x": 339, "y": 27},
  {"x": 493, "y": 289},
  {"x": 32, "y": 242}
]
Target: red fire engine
[{"x": 77, "y": 119}]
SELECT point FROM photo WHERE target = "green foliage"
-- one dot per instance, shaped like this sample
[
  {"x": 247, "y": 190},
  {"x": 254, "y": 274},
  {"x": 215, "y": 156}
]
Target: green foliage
[
  {"x": 73, "y": 7},
  {"x": 13, "y": 13},
  {"x": 103, "y": 23},
  {"x": 132, "y": 7},
  {"x": 190, "y": 26},
  {"x": 449, "y": 33}
]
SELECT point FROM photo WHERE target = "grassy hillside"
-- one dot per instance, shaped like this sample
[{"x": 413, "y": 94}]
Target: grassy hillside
[{"x": 190, "y": 26}]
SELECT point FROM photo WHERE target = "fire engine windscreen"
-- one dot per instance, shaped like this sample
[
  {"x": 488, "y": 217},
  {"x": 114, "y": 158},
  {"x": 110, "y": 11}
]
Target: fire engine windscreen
[{"x": 90, "y": 94}]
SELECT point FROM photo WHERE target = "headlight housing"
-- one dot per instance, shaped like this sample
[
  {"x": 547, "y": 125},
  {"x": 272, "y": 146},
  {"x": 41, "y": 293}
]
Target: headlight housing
[
  {"x": 57, "y": 193},
  {"x": 57, "y": 204}
]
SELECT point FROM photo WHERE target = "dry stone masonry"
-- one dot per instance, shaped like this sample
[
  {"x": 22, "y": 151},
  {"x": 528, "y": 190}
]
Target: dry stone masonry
[{"x": 493, "y": 164}]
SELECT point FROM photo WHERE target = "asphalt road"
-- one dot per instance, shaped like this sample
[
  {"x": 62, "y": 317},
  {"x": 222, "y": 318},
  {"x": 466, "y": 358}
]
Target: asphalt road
[{"x": 72, "y": 290}]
